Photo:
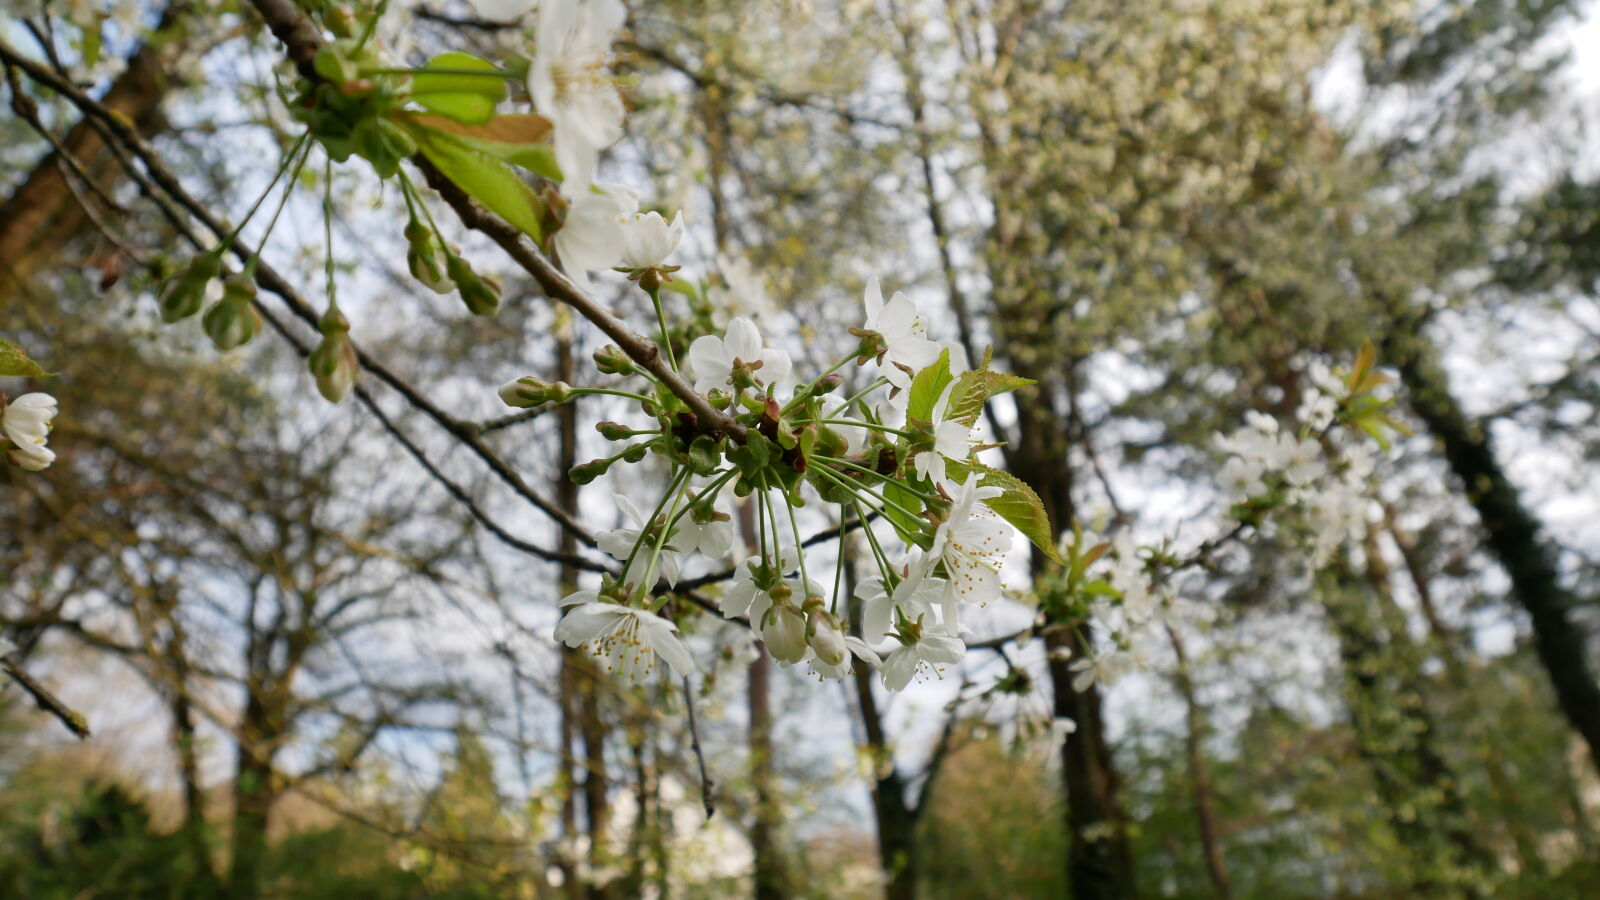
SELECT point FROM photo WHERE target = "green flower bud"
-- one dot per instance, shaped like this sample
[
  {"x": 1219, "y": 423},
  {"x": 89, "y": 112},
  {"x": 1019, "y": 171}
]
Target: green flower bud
[
  {"x": 482, "y": 295},
  {"x": 589, "y": 471},
  {"x": 334, "y": 363},
  {"x": 428, "y": 262},
  {"x": 610, "y": 360},
  {"x": 184, "y": 293},
  {"x": 614, "y": 431},
  {"x": 233, "y": 320},
  {"x": 528, "y": 392}
]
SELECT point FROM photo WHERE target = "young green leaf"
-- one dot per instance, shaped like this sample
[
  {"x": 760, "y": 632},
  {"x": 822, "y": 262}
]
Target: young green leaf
[
  {"x": 15, "y": 363},
  {"x": 927, "y": 386},
  {"x": 522, "y": 139},
  {"x": 1018, "y": 504},
  {"x": 488, "y": 180},
  {"x": 446, "y": 86}
]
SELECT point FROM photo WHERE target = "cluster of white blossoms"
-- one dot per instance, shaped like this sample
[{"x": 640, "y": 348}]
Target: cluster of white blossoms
[
  {"x": 1311, "y": 471},
  {"x": 25, "y": 422},
  {"x": 895, "y": 455},
  {"x": 885, "y": 454},
  {"x": 1312, "y": 480}
]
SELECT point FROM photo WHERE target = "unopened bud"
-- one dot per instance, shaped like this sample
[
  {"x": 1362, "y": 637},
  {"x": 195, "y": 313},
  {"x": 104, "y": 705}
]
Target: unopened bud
[
  {"x": 589, "y": 471},
  {"x": 184, "y": 293},
  {"x": 527, "y": 392},
  {"x": 427, "y": 259},
  {"x": 334, "y": 363},
  {"x": 233, "y": 320},
  {"x": 828, "y": 385},
  {"x": 610, "y": 360},
  {"x": 614, "y": 431},
  {"x": 825, "y": 636},
  {"x": 482, "y": 295},
  {"x": 784, "y": 630}
]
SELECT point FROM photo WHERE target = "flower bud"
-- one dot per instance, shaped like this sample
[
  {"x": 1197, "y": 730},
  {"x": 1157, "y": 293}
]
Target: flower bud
[
  {"x": 826, "y": 637},
  {"x": 334, "y": 363},
  {"x": 184, "y": 293},
  {"x": 427, "y": 259},
  {"x": 614, "y": 431},
  {"x": 583, "y": 473},
  {"x": 784, "y": 630},
  {"x": 527, "y": 392},
  {"x": 827, "y": 385},
  {"x": 482, "y": 295},
  {"x": 232, "y": 321},
  {"x": 610, "y": 360}
]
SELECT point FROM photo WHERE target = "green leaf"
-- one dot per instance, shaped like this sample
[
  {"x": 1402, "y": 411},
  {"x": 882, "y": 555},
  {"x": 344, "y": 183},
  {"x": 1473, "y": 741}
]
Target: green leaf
[
  {"x": 1017, "y": 504},
  {"x": 522, "y": 139},
  {"x": 908, "y": 527},
  {"x": 488, "y": 180},
  {"x": 973, "y": 389},
  {"x": 16, "y": 364},
  {"x": 452, "y": 92},
  {"x": 927, "y": 386}
]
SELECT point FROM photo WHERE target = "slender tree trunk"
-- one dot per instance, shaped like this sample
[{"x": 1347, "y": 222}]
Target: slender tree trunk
[
  {"x": 254, "y": 791},
  {"x": 770, "y": 880},
  {"x": 1199, "y": 773},
  {"x": 897, "y": 823},
  {"x": 1510, "y": 532},
  {"x": 43, "y": 214},
  {"x": 566, "y": 497},
  {"x": 1395, "y": 735}
]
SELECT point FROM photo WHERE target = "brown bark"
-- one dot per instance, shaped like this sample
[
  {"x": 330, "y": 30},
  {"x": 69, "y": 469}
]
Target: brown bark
[
  {"x": 770, "y": 880},
  {"x": 1199, "y": 773},
  {"x": 896, "y": 820},
  {"x": 566, "y": 495},
  {"x": 43, "y": 214},
  {"x": 1511, "y": 534}
]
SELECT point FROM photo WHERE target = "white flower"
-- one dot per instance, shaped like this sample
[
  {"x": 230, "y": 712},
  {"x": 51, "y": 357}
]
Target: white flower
[
  {"x": 26, "y": 423},
  {"x": 713, "y": 539},
  {"x": 714, "y": 359},
  {"x": 949, "y": 441},
  {"x": 743, "y": 291},
  {"x": 958, "y": 356},
  {"x": 1109, "y": 667},
  {"x": 1316, "y": 411},
  {"x": 914, "y": 596},
  {"x": 1301, "y": 460},
  {"x": 590, "y": 240},
  {"x": 1129, "y": 577},
  {"x": 570, "y": 85},
  {"x": 1241, "y": 479},
  {"x": 858, "y": 650},
  {"x": 904, "y": 337},
  {"x": 647, "y": 239},
  {"x": 501, "y": 10},
  {"x": 619, "y": 542},
  {"x": 932, "y": 648},
  {"x": 783, "y": 628},
  {"x": 626, "y": 639},
  {"x": 826, "y": 637},
  {"x": 972, "y": 541}
]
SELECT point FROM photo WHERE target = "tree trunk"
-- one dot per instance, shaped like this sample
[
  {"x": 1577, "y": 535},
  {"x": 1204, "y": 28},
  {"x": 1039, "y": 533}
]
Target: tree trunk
[
  {"x": 770, "y": 881},
  {"x": 254, "y": 791},
  {"x": 43, "y": 214},
  {"x": 1394, "y": 734},
  {"x": 1510, "y": 533},
  {"x": 897, "y": 824},
  {"x": 1199, "y": 773},
  {"x": 566, "y": 497}
]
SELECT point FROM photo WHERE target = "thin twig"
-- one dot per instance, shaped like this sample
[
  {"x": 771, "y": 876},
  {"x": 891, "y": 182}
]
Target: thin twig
[
  {"x": 706, "y": 785},
  {"x": 47, "y": 701}
]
